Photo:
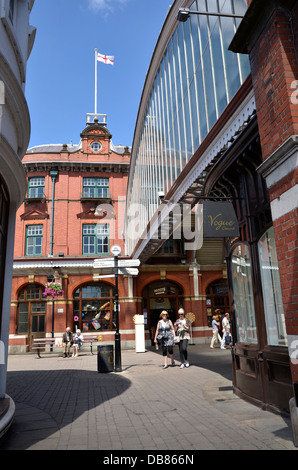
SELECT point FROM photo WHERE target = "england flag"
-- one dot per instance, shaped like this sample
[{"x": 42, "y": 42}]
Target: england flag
[{"x": 106, "y": 59}]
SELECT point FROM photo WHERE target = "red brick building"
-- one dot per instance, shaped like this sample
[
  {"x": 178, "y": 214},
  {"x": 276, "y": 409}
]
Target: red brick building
[{"x": 72, "y": 214}]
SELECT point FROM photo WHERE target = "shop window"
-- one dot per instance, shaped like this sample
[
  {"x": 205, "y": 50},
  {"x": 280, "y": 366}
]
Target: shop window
[
  {"x": 96, "y": 239},
  {"x": 171, "y": 246},
  {"x": 95, "y": 188},
  {"x": 23, "y": 318},
  {"x": 94, "y": 308},
  {"x": 243, "y": 295},
  {"x": 36, "y": 188},
  {"x": 34, "y": 235},
  {"x": 272, "y": 296}
]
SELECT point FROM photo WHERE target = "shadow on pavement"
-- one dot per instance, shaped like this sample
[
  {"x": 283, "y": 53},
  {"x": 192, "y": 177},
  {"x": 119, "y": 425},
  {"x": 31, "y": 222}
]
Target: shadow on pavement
[
  {"x": 48, "y": 401},
  {"x": 215, "y": 360}
]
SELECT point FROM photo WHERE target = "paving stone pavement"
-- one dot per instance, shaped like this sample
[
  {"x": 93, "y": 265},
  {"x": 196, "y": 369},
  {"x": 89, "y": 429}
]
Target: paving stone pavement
[{"x": 65, "y": 404}]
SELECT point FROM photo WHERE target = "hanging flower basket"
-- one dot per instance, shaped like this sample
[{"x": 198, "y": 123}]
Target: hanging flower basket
[{"x": 53, "y": 289}]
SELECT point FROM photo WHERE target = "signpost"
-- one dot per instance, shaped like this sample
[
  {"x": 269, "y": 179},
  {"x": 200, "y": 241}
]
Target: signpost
[
  {"x": 116, "y": 251},
  {"x": 125, "y": 267},
  {"x": 122, "y": 263},
  {"x": 127, "y": 271}
]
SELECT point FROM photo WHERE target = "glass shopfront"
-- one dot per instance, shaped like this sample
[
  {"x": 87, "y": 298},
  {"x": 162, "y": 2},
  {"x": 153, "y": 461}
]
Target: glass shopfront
[
  {"x": 245, "y": 317},
  {"x": 94, "y": 308},
  {"x": 272, "y": 297}
]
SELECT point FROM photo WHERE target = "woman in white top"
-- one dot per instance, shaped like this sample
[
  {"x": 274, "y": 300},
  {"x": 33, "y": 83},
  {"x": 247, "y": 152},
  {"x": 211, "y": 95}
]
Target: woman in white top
[
  {"x": 215, "y": 330},
  {"x": 182, "y": 327},
  {"x": 77, "y": 341}
]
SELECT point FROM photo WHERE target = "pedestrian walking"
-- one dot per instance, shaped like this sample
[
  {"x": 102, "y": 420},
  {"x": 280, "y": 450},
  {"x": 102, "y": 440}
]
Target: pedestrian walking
[
  {"x": 215, "y": 331},
  {"x": 165, "y": 335},
  {"x": 226, "y": 328},
  {"x": 182, "y": 327},
  {"x": 220, "y": 317},
  {"x": 67, "y": 341}
]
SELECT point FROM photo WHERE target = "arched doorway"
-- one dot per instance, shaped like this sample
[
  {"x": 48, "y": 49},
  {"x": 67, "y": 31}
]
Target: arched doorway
[
  {"x": 32, "y": 313},
  {"x": 158, "y": 296},
  {"x": 94, "y": 307},
  {"x": 217, "y": 297}
]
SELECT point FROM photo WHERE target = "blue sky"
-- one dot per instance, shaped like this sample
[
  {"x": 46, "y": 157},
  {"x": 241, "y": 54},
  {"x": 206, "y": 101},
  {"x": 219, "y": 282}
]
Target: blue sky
[{"x": 61, "y": 68}]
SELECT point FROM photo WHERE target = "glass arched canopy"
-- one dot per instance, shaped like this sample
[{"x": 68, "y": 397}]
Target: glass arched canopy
[{"x": 195, "y": 80}]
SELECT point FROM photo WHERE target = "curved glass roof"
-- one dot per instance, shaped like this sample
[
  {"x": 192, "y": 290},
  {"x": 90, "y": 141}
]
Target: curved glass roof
[{"x": 197, "y": 76}]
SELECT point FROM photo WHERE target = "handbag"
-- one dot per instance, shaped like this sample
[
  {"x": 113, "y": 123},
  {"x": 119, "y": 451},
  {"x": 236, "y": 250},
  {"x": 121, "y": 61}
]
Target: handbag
[
  {"x": 228, "y": 340},
  {"x": 176, "y": 339}
]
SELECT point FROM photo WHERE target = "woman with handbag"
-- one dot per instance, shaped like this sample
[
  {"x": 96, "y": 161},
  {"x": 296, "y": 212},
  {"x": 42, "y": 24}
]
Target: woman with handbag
[
  {"x": 165, "y": 335},
  {"x": 182, "y": 327}
]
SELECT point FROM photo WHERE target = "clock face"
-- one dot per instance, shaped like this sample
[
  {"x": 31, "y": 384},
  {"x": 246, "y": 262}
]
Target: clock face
[
  {"x": 95, "y": 146},
  {"x": 116, "y": 250}
]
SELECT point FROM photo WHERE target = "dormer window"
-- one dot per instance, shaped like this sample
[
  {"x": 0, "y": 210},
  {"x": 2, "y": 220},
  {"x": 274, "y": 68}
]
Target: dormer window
[{"x": 95, "y": 146}]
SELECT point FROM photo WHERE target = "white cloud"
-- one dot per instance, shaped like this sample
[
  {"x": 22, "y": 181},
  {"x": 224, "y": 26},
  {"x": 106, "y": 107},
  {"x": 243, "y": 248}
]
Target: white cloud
[{"x": 106, "y": 5}]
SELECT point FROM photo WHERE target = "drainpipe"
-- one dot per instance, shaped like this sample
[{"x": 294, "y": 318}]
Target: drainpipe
[{"x": 53, "y": 175}]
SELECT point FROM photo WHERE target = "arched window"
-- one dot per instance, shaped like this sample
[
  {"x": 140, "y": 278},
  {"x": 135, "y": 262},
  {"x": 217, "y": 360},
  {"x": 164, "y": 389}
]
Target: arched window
[{"x": 94, "y": 307}]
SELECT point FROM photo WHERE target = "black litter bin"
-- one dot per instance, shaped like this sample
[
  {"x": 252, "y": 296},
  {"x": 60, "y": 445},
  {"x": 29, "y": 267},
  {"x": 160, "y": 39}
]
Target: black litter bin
[{"x": 105, "y": 358}]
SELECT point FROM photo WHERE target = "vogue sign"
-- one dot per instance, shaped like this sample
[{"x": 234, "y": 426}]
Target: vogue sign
[{"x": 220, "y": 220}]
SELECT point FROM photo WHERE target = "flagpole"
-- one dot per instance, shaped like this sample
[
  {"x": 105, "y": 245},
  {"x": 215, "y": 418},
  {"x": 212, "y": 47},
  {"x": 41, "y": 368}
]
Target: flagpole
[{"x": 95, "y": 106}]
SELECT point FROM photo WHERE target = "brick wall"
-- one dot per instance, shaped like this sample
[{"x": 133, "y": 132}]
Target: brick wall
[{"x": 274, "y": 71}]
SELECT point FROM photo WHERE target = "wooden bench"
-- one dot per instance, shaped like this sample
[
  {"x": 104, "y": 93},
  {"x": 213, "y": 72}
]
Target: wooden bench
[
  {"x": 91, "y": 340},
  {"x": 41, "y": 343}
]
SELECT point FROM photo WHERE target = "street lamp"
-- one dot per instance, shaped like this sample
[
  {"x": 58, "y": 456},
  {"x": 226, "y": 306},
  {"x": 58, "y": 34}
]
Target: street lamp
[
  {"x": 116, "y": 251},
  {"x": 51, "y": 278},
  {"x": 184, "y": 14}
]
